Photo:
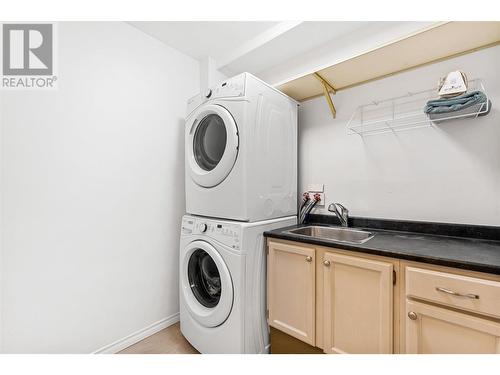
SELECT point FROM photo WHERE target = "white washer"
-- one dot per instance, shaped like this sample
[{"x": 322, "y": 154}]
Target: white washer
[
  {"x": 241, "y": 152},
  {"x": 222, "y": 284}
]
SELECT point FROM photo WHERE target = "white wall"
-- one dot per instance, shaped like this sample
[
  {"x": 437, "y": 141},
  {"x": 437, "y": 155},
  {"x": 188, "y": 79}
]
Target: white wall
[
  {"x": 449, "y": 173},
  {"x": 210, "y": 76},
  {"x": 93, "y": 192}
]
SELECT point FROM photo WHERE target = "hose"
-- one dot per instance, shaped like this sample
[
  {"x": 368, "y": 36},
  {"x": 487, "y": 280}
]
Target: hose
[{"x": 307, "y": 206}]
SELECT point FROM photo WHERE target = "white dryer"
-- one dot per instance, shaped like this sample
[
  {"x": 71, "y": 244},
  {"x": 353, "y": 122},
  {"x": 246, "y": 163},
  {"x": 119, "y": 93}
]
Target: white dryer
[
  {"x": 223, "y": 284},
  {"x": 241, "y": 152}
]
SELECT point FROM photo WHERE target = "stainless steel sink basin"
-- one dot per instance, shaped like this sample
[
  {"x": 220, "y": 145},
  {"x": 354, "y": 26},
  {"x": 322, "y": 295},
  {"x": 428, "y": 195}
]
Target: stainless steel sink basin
[{"x": 355, "y": 236}]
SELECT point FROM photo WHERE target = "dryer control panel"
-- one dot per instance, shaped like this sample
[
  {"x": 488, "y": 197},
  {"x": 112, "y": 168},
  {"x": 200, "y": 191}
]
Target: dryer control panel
[
  {"x": 231, "y": 88},
  {"x": 226, "y": 233},
  {"x": 227, "y": 89}
]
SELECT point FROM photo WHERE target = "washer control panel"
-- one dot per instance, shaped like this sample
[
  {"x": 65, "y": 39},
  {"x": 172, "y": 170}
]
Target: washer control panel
[{"x": 228, "y": 234}]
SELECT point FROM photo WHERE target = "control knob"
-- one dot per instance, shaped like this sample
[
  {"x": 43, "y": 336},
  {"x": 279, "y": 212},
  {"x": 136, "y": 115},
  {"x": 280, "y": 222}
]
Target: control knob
[
  {"x": 208, "y": 93},
  {"x": 203, "y": 227}
]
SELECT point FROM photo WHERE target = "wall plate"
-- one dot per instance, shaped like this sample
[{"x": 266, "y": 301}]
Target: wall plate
[{"x": 321, "y": 203}]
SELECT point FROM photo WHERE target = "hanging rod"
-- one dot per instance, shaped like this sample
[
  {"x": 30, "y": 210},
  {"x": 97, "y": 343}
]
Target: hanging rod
[{"x": 327, "y": 89}]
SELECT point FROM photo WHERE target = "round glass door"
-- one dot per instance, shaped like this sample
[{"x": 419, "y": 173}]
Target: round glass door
[
  {"x": 211, "y": 145},
  {"x": 204, "y": 278},
  {"x": 206, "y": 285},
  {"x": 209, "y": 142}
]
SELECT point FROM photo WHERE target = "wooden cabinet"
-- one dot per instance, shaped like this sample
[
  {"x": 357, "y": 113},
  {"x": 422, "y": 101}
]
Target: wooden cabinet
[
  {"x": 436, "y": 330},
  {"x": 340, "y": 301},
  {"x": 344, "y": 301},
  {"x": 291, "y": 290},
  {"x": 450, "y": 313},
  {"x": 357, "y": 305}
]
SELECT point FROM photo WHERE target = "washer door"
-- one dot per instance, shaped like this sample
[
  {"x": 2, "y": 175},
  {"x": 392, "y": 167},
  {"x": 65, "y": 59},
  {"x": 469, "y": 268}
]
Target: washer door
[
  {"x": 211, "y": 145},
  {"x": 206, "y": 284}
]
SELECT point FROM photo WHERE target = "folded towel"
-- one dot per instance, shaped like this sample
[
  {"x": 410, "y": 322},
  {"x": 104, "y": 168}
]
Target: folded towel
[
  {"x": 458, "y": 103},
  {"x": 480, "y": 109}
]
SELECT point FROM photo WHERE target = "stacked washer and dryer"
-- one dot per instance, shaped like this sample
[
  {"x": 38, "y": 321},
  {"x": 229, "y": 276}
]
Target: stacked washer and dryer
[{"x": 241, "y": 180}]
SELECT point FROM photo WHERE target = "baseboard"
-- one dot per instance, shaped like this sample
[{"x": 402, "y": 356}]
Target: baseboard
[{"x": 137, "y": 336}]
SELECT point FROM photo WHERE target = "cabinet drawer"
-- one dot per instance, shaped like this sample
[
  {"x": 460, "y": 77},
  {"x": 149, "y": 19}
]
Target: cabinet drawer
[{"x": 463, "y": 292}]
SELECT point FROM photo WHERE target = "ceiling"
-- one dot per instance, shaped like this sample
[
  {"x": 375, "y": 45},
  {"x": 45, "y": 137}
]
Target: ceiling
[
  {"x": 296, "y": 41},
  {"x": 202, "y": 39},
  {"x": 275, "y": 51}
]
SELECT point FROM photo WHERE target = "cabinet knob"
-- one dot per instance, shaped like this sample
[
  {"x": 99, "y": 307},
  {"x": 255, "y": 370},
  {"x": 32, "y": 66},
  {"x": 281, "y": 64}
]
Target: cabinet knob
[
  {"x": 309, "y": 259},
  {"x": 326, "y": 263},
  {"x": 412, "y": 315}
]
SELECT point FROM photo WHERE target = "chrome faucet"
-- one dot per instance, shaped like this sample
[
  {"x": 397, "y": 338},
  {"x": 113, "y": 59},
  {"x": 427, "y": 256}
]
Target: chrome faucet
[{"x": 343, "y": 214}]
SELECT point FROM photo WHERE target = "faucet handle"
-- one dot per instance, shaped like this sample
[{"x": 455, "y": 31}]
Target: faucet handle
[
  {"x": 343, "y": 214},
  {"x": 342, "y": 208}
]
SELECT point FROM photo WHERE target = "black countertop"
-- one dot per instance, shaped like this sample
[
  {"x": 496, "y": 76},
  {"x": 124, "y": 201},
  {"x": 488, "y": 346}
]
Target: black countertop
[{"x": 474, "y": 254}]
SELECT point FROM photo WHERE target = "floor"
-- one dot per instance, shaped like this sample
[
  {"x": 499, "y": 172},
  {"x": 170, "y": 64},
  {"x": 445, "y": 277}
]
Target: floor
[{"x": 167, "y": 341}]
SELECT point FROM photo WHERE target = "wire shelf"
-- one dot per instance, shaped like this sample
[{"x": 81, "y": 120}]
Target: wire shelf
[{"x": 406, "y": 112}]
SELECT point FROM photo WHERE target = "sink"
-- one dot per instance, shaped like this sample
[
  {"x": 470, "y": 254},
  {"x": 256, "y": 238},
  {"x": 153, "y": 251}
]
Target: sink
[{"x": 355, "y": 236}]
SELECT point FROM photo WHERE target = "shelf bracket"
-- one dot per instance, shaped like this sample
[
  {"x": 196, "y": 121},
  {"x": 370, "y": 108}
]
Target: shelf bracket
[{"x": 327, "y": 89}]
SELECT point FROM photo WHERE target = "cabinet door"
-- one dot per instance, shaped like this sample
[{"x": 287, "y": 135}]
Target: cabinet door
[
  {"x": 291, "y": 286},
  {"x": 436, "y": 330},
  {"x": 358, "y": 305}
]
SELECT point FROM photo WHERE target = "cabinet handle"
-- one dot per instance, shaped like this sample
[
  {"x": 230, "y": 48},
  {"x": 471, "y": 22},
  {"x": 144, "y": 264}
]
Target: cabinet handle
[
  {"x": 309, "y": 259},
  {"x": 456, "y": 294},
  {"x": 326, "y": 263},
  {"x": 412, "y": 315}
]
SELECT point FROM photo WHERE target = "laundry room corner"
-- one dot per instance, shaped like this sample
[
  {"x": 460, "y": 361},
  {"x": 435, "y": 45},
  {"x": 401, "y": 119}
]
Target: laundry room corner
[{"x": 102, "y": 184}]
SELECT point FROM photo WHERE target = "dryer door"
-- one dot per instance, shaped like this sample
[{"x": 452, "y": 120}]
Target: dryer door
[
  {"x": 211, "y": 145},
  {"x": 206, "y": 284}
]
